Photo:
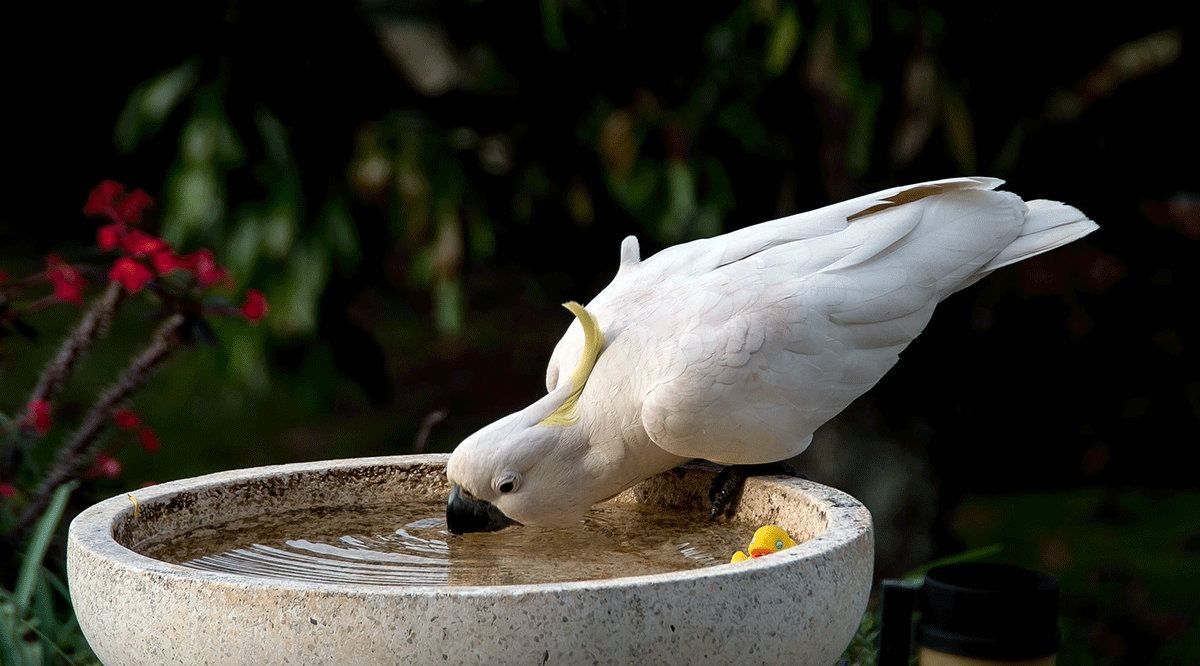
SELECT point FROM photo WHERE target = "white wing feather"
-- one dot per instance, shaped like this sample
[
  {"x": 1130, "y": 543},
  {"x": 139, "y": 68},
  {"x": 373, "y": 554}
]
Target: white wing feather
[{"x": 736, "y": 348}]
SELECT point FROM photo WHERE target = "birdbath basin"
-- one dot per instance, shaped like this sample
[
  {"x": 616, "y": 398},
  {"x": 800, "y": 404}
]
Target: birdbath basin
[{"x": 798, "y": 606}]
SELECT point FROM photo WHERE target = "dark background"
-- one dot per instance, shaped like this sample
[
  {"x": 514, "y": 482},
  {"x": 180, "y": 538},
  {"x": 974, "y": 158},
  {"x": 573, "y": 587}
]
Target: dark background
[{"x": 1051, "y": 408}]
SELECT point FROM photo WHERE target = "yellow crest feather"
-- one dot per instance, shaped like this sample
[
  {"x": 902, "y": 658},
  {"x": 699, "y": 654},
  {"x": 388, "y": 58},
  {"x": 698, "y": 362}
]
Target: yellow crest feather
[{"x": 593, "y": 340}]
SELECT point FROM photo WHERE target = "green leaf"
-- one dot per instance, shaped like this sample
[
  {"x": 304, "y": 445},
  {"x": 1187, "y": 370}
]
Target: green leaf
[
  {"x": 783, "y": 40},
  {"x": 857, "y": 15},
  {"x": 960, "y": 131},
  {"x": 44, "y": 621},
  {"x": 195, "y": 202},
  {"x": 709, "y": 222},
  {"x": 152, "y": 102},
  {"x": 739, "y": 119},
  {"x": 340, "y": 232},
  {"x": 449, "y": 307},
  {"x": 242, "y": 246},
  {"x": 764, "y": 10},
  {"x": 279, "y": 230},
  {"x": 307, "y": 273},
  {"x": 209, "y": 139},
  {"x": 681, "y": 201},
  {"x": 227, "y": 149},
  {"x": 579, "y": 203},
  {"x": 248, "y": 362},
  {"x": 68, "y": 629},
  {"x": 274, "y": 137},
  {"x": 552, "y": 28},
  {"x": 43, "y": 532},
  {"x": 718, "y": 188},
  {"x": 862, "y": 127},
  {"x": 721, "y": 42},
  {"x": 420, "y": 267},
  {"x": 481, "y": 239},
  {"x": 636, "y": 192},
  {"x": 42, "y": 605},
  {"x": 12, "y": 647}
]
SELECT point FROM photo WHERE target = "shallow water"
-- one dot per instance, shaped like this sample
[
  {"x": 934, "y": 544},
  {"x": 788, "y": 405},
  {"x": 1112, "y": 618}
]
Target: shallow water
[{"x": 411, "y": 546}]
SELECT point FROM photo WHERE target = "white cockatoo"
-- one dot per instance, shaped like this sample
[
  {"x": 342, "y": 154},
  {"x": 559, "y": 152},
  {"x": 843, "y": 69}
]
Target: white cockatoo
[{"x": 734, "y": 349}]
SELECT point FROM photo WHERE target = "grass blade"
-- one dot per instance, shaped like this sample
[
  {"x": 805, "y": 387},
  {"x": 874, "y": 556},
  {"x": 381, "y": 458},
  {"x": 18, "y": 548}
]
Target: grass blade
[{"x": 43, "y": 532}]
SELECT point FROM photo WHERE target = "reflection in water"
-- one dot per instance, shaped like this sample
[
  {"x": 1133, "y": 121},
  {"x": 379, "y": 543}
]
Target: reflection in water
[{"x": 409, "y": 545}]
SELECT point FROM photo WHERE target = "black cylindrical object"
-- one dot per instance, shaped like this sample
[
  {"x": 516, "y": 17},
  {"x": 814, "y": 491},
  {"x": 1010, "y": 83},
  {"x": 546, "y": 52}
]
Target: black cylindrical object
[
  {"x": 896, "y": 601},
  {"x": 989, "y": 611}
]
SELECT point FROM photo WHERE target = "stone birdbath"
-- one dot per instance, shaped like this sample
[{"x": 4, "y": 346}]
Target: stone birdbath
[{"x": 798, "y": 606}]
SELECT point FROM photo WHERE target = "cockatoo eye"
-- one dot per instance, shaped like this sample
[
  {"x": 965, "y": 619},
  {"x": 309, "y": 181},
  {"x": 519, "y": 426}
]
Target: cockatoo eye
[
  {"x": 508, "y": 482},
  {"x": 779, "y": 545}
]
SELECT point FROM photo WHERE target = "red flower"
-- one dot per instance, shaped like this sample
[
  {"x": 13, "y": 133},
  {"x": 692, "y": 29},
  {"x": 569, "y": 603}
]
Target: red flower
[
  {"x": 255, "y": 306},
  {"x": 127, "y": 419},
  {"x": 141, "y": 244},
  {"x": 148, "y": 439},
  {"x": 104, "y": 466},
  {"x": 7, "y": 491},
  {"x": 131, "y": 273},
  {"x": 103, "y": 198},
  {"x": 204, "y": 265},
  {"x": 131, "y": 206},
  {"x": 199, "y": 261},
  {"x": 109, "y": 236},
  {"x": 39, "y": 411},
  {"x": 68, "y": 283},
  {"x": 215, "y": 276},
  {"x": 165, "y": 261},
  {"x": 108, "y": 199}
]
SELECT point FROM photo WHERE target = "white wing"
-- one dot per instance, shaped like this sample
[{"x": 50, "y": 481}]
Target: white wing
[{"x": 736, "y": 348}]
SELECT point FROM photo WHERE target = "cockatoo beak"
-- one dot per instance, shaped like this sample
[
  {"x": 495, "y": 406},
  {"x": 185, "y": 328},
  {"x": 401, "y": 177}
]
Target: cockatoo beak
[{"x": 465, "y": 513}]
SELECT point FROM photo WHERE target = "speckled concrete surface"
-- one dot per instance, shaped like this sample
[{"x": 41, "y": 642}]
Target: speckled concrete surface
[{"x": 799, "y": 606}]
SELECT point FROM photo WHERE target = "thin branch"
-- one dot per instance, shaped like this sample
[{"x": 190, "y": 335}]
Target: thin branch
[
  {"x": 84, "y": 444},
  {"x": 55, "y": 374},
  {"x": 431, "y": 420}
]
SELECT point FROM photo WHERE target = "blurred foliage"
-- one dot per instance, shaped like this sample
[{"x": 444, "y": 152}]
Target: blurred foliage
[
  {"x": 267, "y": 240},
  {"x": 433, "y": 212},
  {"x": 37, "y": 625}
]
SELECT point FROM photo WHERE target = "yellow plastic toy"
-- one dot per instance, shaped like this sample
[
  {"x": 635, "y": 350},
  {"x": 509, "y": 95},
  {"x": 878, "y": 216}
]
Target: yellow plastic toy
[{"x": 766, "y": 540}]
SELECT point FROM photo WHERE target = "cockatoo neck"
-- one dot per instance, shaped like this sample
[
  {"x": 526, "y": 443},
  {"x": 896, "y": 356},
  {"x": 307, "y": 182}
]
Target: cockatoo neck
[
  {"x": 581, "y": 443},
  {"x": 600, "y": 452},
  {"x": 618, "y": 451}
]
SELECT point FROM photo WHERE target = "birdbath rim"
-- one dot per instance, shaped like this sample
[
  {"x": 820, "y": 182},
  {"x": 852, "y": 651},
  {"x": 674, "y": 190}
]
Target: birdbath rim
[{"x": 95, "y": 529}]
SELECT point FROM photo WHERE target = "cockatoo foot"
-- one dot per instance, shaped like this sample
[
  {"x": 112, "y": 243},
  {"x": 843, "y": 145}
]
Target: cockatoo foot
[{"x": 727, "y": 484}]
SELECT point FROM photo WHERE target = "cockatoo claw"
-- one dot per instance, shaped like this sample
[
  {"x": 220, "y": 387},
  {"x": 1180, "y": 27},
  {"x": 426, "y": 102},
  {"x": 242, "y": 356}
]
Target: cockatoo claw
[{"x": 727, "y": 484}]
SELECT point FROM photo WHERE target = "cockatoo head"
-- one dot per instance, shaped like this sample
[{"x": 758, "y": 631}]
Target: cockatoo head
[
  {"x": 518, "y": 470},
  {"x": 530, "y": 467}
]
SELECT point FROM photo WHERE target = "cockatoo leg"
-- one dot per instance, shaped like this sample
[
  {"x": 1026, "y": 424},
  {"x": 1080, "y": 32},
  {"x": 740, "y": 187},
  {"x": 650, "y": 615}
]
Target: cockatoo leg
[{"x": 727, "y": 484}]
